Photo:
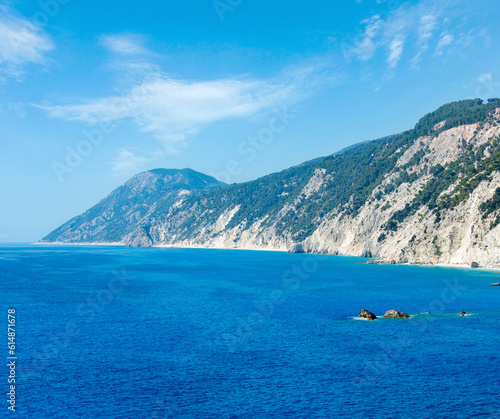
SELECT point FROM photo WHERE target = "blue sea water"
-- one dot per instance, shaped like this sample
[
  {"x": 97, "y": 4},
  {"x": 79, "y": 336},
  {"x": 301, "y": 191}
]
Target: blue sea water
[{"x": 108, "y": 332}]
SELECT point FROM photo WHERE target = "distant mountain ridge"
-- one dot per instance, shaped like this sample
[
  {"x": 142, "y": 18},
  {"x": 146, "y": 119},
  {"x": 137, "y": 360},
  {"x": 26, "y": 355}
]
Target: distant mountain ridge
[
  {"x": 428, "y": 195},
  {"x": 135, "y": 203}
]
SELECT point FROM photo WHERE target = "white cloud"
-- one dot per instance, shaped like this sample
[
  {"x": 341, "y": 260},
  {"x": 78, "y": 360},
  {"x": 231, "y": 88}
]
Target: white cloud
[
  {"x": 366, "y": 47},
  {"x": 21, "y": 42},
  {"x": 395, "y": 51},
  {"x": 124, "y": 44},
  {"x": 388, "y": 33},
  {"x": 412, "y": 27},
  {"x": 428, "y": 24},
  {"x": 444, "y": 41},
  {"x": 128, "y": 162},
  {"x": 174, "y": 109}
]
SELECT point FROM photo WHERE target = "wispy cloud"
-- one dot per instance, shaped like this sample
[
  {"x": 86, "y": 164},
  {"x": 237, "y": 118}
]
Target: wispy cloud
[
  {"x": 391, "y": 32},
  {"x": 412, "y": 27},
  {"x": 21, "y": 42},
  {"x": 428, "y": 24},
  {"x": 395, "y": 52},
  {"x": 174, "y": 109},
  {"x": 366, "y": 47},
  {"x": 125, "y": 44},
  {"x": 444, "y": 42},
  {"x": 128, "y": 161}
]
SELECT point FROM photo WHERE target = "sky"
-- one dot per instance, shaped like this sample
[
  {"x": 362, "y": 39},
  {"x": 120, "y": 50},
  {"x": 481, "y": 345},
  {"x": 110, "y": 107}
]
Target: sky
[{"x": 94, "y": 92}]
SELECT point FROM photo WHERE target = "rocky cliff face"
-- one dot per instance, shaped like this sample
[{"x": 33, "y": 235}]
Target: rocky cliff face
[
  {"x": 460, "y": 235},
  {"x": 426, "y": 196}
]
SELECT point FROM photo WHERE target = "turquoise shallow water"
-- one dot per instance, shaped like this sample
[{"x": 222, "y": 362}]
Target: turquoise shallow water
[{"x": 165, "y": 333}]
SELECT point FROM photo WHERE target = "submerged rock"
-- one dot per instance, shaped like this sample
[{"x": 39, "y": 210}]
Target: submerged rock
[
  {"x": 395, "y": 314},
  {"x": 368, "y": 315}
]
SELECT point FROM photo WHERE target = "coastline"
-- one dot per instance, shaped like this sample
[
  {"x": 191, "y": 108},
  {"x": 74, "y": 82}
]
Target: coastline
[
  {"x": 119, "y": 244},
  {"x": 76, "y": 244},
  {"x": 258, "y": 249},
  {"x": 451, "y": 265},
  {"x": 253, "y": 249}
]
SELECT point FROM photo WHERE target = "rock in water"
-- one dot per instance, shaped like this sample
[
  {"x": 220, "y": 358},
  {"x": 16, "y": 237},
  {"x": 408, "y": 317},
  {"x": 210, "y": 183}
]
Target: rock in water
[
  {"x": 368, "y": 315},
  {"x": 396, "y": 314},
  {"x": 495, "y": 284}
]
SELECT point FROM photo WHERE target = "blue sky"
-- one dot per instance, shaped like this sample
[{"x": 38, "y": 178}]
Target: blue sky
[{"x": 94, "y": 92}]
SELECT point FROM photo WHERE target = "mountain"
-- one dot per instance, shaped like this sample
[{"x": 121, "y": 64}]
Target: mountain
[
  {"x": 136, "y": 205},
  {"x": 428, "y": 195}
]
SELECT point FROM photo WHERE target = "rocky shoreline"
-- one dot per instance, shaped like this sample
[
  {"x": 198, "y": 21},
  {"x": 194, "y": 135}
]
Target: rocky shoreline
[
  {"x": 296, "y": 249},
  {"x": 473, "y": 265}
]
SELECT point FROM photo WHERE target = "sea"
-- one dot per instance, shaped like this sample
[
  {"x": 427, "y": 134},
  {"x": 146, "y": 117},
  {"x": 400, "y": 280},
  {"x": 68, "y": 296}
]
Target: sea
[{"x": 110, "y": 332}]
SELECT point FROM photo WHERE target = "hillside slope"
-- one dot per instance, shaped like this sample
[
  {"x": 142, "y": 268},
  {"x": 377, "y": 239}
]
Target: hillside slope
[
  {"x": 428, "y": 195},
  {"x": 133, "y": 206}
]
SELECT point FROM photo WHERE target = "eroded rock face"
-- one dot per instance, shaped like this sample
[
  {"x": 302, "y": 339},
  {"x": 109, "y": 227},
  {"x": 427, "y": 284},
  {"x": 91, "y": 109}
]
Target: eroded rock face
[
  {"x": 139, "y": 238},
  {"x": 296, "y": 248},
  {"x": 368, "y": 315},
  {"x": 395, "y": 314},
  {"x": 366, "y": 254}
]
